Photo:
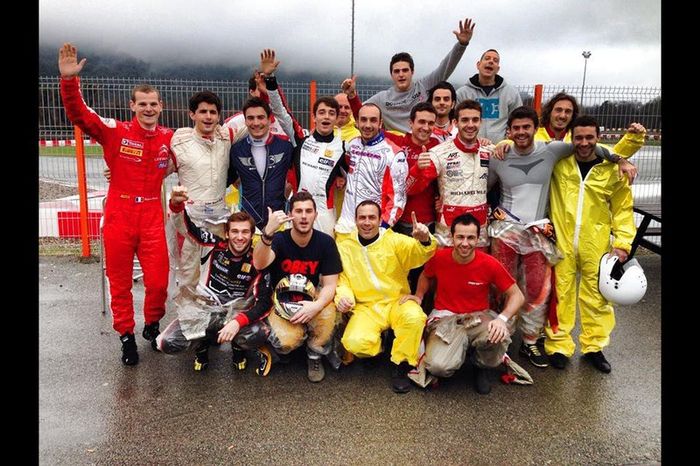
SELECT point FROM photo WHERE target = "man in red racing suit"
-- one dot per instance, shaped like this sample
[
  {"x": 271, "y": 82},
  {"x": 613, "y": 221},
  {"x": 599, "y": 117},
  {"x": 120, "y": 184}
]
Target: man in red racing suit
[{"x": 137, "y": 154}]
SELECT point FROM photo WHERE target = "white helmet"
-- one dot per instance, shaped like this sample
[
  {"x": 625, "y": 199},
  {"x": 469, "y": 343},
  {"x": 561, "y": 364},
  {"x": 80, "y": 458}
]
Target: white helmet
[{"x": 621, "y": 283}]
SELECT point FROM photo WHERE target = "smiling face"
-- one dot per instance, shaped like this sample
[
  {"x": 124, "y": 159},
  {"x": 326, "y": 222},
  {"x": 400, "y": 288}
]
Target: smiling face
[
  {"x": 367, "y": 220},
  {"x": 257, "y": 121},
  {"x": 147, "y": 107},
  {"x": 468, "y": 124},
  {"x": 369, "y": 122},
  {"x": 585, "y": 138},
  {"x": 562, "y": 113},
  {"x": 239, "y": 237},
  {"x": 422, "y": 127},
  {"x": 443, "y": 103},
  {"x": 522, "y": 132},
  {"x": 205, "y": 118},
  {"x": 464, "y": 240},
  {"x": 345, "y": 110}
]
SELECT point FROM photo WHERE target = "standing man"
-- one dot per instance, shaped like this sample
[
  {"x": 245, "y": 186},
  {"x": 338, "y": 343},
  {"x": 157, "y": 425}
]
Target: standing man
[
  {"x": 461, "y": 167},
  {"x": 228, "y": 273},
  {"x": 497, "y": 98},
  {"x": 397, "y": 101},
  {"x": 137, "y": 153},
  {"x": 261, "y": 160},
  {"x": 559, "y": 113},
  {"x": 444, "y": 98},
  {"x": 520, "y": 234},
  {"x": 313, "y": 254},
  {"x": 464, "y": 276},
  {"x": 346, "y": 121},
  {"x": 375, "y": 266},
  {"x": 589, "y": 202},
  {"x": 377, "y": 171}
]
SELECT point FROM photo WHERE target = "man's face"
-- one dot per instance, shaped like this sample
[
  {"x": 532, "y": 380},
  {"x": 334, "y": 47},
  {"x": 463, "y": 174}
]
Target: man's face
[
  {"x": 367, "y": 221},
  {"x": 326, "y": 118},
  {"x": 147, "y": 107},
  {"x": 422, "y": 127},
  {"x": 561, "y": 115},
  {"x": 345, "y": 109},
  {"x": 464, "y": 239},
  {"x": 303, "y": 216},
  {"x": 442, "y": 101},
  {"x": 402, "y": 75},
  {"x": 468, "y": 124},
  {"x": 257, "y": 121},
  {"x": 522, "y": 132},
  {"x": 585, "y": 140},
  {"x": 489, "y": 65},
  {"x": 239, "y": 237},
  {"x": 205, "y": 118},
  {"x": 369, "y": 122}
]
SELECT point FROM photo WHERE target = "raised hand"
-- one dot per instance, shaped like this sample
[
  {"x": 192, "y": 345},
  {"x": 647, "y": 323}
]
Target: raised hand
[
  {"x": 420, "y": 231},
  {"x": 68, "y": 64},
  {"x": 348, "y": 86},
  {"x": 275, "y": 220},
  {"x": 268, "y": 64},
  {"x": 424, "y": 161},
  {"x": 465, "y": 31},
  {"x": 636, "y": 128}
]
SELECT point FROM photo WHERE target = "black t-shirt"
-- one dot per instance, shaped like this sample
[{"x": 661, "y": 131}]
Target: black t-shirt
[
  {"x": 585, "y": 167},
  {"x": 320, "y": 256}
]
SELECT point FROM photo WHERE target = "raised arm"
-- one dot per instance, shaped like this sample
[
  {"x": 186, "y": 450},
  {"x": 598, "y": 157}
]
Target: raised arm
[
  {"x": 263, "y": 255},
  {"x": 464, "y": 34},
  {"x": 268, "y": 66}
]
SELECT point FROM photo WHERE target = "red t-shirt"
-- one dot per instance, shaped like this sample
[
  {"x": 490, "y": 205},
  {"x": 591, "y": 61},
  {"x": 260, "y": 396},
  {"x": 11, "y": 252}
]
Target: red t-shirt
[{"x": 464, "y": 288}]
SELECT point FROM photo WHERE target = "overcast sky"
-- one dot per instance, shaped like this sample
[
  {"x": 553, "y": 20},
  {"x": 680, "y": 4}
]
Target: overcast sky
[{"x": 540, "y": 41}]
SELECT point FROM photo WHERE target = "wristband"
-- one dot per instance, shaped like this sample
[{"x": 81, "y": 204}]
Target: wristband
[
  {"x": 266, "y": 236},
  {"x": 503, "y": 318}
]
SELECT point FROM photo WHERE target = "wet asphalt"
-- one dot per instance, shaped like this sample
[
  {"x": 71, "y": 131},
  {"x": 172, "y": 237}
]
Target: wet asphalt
[{"x": 94, "y": 410}]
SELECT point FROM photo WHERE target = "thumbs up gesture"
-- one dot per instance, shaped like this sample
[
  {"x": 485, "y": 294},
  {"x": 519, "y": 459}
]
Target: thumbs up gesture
[
  {"x": 424, "y": 159},
  {"x": 420, "y": 231}
]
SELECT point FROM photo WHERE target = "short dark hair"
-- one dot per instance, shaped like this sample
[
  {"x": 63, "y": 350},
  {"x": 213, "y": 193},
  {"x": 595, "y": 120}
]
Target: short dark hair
[
  {"x": 240, "y": 217},
  {"x": 207, "y": 97},
  {"x": 329, "y": 101},
  {"x": 465, "y": 219},
  {"x": 585, "y": 120},
  {"x": 301, "y": 196},
  {"x": 401, "y": 56},
  {"x": 370, "y": 105},
  {"x": 467, "y": 104},
  {"x": 145, "y": 88},
  {"x": 523, "y": 112},
  {"x": 549, "y": 106},
  {"x": 422, "y": 107},
  {"x": 369, "y": 202},
  {"x": 252, "y": 84},
  {"x": 449, "y": 87},
  {"x": 254, "y": 102},
  {"x": 489, "y": 50}
]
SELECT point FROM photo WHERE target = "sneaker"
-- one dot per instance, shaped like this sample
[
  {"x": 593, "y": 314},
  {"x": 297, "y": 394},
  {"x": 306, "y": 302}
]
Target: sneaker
[
  {"x": 558, "y": 360},
  {"x": 598, "y": 360},
  {"x": 239, "y": 359},
  {"x": 315, "y": 371},
  {"x": 130, "y": 355},
  {"x": 532, "y": 351},
  {"x": 482, "y": 384},
  {"x": 264, "y": 358},
  {"x": 400, "y": 382},
  {"x": 150, "y": 332},
  {"x": 201, "y": 360}
]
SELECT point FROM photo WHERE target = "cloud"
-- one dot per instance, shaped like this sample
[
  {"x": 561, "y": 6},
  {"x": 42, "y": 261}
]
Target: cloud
[{"x": 539, "y": 40}]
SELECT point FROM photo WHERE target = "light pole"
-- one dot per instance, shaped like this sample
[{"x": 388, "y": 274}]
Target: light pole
[
  {"x": 586, "y": 55},
  {"x": 352, "y": 41}
]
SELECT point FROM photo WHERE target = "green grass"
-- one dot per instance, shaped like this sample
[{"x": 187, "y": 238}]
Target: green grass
[{"x": 92, "y": 152}]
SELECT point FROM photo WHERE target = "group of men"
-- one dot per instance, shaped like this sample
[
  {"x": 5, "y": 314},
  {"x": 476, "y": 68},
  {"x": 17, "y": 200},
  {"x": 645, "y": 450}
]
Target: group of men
[{"x": 413, "y": 166}]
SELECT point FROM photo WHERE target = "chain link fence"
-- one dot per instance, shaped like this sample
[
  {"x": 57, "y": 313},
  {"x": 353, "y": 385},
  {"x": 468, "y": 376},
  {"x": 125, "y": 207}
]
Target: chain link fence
[{"x": 614, "y": 107}]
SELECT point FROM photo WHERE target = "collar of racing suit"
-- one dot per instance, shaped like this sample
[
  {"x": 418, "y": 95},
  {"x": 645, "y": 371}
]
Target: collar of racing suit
[
  {"x": 460, "y": 145},
  {"x": 376, "y": 140},
  {"x": 140, "y": 130},
  {"x": 320, "y": 138},
  {"x": 263, "y": 141},
  {"x": 554, "y": 135}
]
